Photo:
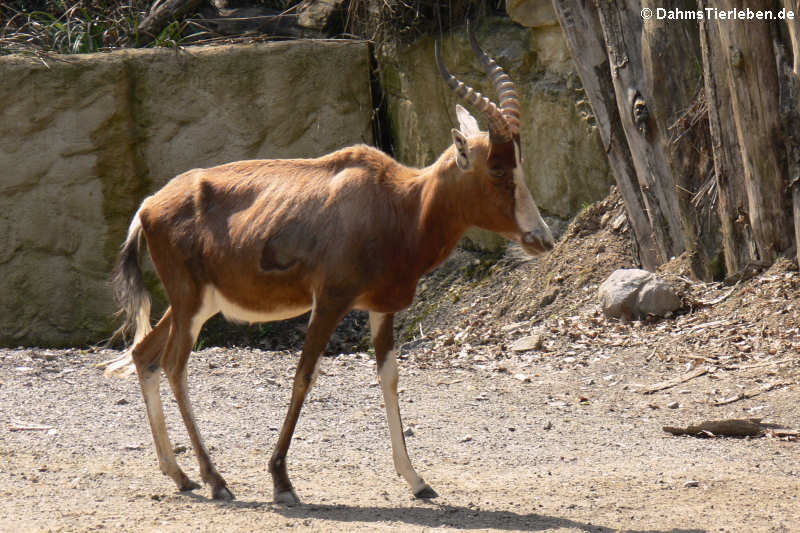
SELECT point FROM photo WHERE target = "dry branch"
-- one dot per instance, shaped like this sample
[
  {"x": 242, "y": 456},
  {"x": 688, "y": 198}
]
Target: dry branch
[
  {"x": 784, "y": 433},
  {"x": 720, "y": 299},
  {"x": 160, "y": 15},
  {"x": 766, "y": 363},
  {"x": 696, "y": 373},
  {"x": 734, "y": 427},
  {"x": 750, "y": 394}
]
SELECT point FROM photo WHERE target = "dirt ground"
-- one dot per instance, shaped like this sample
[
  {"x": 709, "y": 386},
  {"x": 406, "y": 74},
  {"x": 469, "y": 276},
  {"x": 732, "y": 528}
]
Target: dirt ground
[{"x": 564, "y": 436}]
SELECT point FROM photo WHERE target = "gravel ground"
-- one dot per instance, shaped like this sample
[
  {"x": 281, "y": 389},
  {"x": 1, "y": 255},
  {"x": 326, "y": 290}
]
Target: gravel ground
[{"x": 575, "y": 448}]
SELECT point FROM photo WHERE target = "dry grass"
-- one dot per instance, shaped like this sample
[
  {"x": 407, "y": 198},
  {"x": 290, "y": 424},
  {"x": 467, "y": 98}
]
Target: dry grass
[
  {"x": 85, "y": 26},
  {"x": 69, "y": 27}
]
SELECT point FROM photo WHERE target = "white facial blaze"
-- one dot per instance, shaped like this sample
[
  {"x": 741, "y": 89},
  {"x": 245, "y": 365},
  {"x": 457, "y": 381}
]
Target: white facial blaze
[{"x": 528, "y": 217}]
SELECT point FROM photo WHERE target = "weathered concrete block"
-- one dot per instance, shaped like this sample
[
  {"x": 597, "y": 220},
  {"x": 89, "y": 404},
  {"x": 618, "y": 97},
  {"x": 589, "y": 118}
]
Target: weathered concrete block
[
  {"x": 84, "y": 139},
  {"x": 632, "y": 294}
]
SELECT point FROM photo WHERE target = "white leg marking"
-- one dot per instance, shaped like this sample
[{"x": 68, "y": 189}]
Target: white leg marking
[
  {"x": 152, "y": 400},
  {"x": 388, "y": 378},
  {"x": 121, "y": 366}
]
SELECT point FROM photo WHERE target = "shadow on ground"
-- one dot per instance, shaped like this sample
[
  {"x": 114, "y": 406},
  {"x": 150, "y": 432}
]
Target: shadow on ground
[{"x": 437, "y": 515}]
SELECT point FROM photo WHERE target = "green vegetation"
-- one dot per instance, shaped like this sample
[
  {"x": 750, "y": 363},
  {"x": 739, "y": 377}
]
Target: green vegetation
[
  {"x": 68, "y": 27},
  {"x": 85, "y": 26}
]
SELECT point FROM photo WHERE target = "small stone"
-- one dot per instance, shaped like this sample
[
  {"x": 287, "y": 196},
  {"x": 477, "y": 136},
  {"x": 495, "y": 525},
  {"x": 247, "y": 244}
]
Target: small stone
[
  {"x": 408, "y": 432},
  {"x": 548, "y": 297},
  {"x": 673, "y": 405},
  {"x": 691, "y": 483},
  {"x": 466, "y": 438},
  {"x": 122, "y": 401},
  {"x": 523, "y": 344}
]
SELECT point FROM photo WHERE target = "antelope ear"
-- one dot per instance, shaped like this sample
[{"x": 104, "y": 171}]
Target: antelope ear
[
  {"x": 466, "y": 122},
  {"x": 462, "y": 150}
]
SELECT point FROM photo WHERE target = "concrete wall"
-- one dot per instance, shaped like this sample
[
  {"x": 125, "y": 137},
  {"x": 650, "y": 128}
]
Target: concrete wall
[{"x": 83, "y": 139}]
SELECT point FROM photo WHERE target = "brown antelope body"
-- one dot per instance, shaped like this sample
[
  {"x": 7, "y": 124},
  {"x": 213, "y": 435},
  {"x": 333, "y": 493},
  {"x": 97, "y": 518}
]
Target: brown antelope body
[{"x": 271, "y": 239}]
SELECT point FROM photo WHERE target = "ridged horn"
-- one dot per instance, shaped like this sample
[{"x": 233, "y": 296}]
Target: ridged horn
[
  {"x": 499, "y": 129},
  {"x": 506, "y": 92}
]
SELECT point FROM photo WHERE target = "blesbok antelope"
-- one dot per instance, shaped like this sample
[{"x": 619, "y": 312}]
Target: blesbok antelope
[{"x": 271, "y": 239}]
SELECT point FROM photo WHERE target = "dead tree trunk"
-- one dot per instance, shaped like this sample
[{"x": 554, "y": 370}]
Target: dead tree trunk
[
  {"x": 651, "y": 116},
  {"x": 789, "y": 74},
  {"x": 705, "y": 113},
  {"x": 585, "y": 39},
  {"x": 747, "y": 65}
]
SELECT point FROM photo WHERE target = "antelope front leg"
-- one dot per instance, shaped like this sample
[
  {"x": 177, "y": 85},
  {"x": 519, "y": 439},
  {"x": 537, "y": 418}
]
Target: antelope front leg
[
  {"x": 382, "y": 338},
  {"x": 320, "y": 328}
]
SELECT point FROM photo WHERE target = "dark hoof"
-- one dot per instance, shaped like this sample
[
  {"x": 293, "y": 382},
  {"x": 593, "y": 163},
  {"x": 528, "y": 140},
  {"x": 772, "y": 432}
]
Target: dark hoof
[
  {"x": 287, "y": 497},
  {"x": 425, "y": 493},
  {"x": 221, "y": 492},
  {"x": 188, "y": 485}
]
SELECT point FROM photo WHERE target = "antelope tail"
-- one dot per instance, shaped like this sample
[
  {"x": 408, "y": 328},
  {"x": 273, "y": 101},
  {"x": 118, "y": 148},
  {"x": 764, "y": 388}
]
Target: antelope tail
[{"x": 132, "y": 297}]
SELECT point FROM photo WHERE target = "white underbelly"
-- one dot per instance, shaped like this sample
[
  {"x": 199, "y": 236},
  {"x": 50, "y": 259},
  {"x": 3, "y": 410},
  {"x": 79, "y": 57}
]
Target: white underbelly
[{"x": 214, "y": 302}]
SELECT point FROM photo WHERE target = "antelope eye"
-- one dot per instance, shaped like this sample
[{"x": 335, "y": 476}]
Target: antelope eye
[{"x": 497, "y": 173}]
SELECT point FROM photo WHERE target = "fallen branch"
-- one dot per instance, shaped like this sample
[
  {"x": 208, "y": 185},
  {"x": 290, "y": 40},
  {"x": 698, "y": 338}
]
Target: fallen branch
[
  {"x": 704, "y": 325},
  {"x": 160, "y": 15},
  {"x": 766, "y": 363},
  {"x": 696, "y": 373},
  {"x": 741, "y": 427},
  {"x": 750, "y": 394},
  {"x": 720, "y": 299},
  {"x": 790, "y": 434}
]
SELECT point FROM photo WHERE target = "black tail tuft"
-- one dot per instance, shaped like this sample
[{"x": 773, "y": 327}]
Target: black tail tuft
[{"x": 127, "y": 283}]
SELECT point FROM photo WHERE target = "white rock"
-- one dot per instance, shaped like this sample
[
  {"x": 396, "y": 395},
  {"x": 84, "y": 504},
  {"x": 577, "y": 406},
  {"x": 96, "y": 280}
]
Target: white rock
[{"x": 632, "y": 294}]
